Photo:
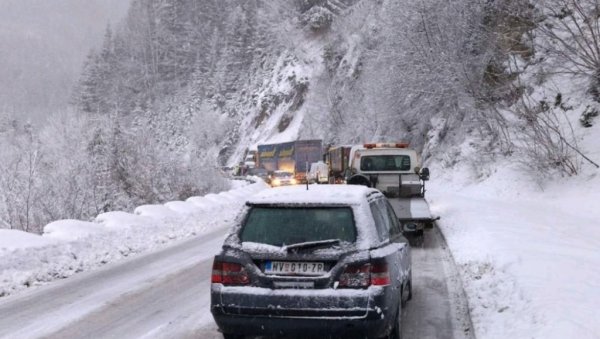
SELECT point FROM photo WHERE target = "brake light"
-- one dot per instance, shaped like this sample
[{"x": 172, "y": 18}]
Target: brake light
[
  {"x": 228, "y": 273},
  {"x": 355, "y": 276},
  {"x": 380, "y": 275},
  {"x": 216, "y": 272},
  {"x": 362, "y": 276}
]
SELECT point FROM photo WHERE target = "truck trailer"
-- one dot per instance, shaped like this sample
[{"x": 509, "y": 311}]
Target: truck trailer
[
  {"x": 337, "y": 158},
  {"x": 294, "y": 157}
]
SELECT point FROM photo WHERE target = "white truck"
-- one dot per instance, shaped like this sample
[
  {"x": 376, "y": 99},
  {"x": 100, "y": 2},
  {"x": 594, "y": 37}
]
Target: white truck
[
  {"x": 395, "y": 170},
  {"x": 319, "y": 173},
  {"x": 250, "y": 159}
]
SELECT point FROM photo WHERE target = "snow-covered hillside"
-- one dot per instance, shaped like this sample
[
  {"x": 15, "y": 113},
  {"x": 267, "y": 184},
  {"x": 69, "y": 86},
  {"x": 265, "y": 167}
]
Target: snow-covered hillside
[
  {"x": 528, "y": 254},
  {"x": 524, "y": 232}
]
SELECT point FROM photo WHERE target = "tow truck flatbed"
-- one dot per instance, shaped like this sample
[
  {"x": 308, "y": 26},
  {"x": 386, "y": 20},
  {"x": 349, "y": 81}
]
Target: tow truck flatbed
[{"x": 416, "y": 209}]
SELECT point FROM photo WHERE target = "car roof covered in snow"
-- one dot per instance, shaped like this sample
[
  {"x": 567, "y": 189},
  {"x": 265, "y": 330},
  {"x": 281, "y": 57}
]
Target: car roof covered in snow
[{"x": 315, "y": 195}]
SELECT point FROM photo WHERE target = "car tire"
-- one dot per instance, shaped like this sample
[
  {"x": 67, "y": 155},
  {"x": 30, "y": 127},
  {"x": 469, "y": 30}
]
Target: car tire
[
  {"x": 417, "y": 239},
  {"x": 359, "y": 179},
  {"x": 396, "y": 332},
  {"x": 408, "y": 295},
  {"x": 420, "y": 240}
]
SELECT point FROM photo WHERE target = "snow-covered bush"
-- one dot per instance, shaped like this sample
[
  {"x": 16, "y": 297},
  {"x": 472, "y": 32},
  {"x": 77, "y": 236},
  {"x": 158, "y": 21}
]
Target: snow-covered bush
[
  {"x": 570, "y": 34},
  {"x": 317, "y": 18},
  {"x": 332, "y": 56},
  {"x": 305, "y": 5},
  {"x": 543, "y": 92},
  {"x": 588, "y": 116},
  {"x": 76, "y": 167}
]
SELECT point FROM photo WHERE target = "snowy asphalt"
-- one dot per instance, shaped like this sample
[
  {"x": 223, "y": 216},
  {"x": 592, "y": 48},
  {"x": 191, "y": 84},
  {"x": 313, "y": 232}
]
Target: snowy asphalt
[
  {"x": 166, "y": 295},
  {"x": 438, "y": 308}
]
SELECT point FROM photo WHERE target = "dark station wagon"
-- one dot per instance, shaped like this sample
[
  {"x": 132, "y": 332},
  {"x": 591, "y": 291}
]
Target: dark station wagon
[{"x": 329, "y": 261}]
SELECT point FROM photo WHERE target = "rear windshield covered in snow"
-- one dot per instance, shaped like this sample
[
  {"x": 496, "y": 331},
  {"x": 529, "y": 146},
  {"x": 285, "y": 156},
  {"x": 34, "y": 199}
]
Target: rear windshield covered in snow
[
  {"x": 280, "y": 226},
  {"x": 395, "y": 162}
]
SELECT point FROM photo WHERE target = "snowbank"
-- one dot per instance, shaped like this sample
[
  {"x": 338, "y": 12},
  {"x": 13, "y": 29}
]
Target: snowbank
[
  {"x": 71, "y": 230},
  {"x": 71, "y": 246},
  {"x": 529, "y": 255},
  {"x": 14, "y": 239}
]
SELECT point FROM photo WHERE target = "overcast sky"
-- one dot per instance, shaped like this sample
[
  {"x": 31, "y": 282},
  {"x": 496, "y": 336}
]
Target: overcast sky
[{"x": 43, "y": 44}]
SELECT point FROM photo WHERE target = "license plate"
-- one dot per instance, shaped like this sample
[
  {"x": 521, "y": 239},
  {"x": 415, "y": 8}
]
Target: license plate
[{"x": 294, "y": 268}]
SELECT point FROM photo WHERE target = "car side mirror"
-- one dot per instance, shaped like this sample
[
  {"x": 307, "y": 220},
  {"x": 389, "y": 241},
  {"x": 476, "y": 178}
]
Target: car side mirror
[{"x": 424, "y": 175}]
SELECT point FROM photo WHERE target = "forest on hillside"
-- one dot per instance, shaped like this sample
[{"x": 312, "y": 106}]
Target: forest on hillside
[
  {"x": 42, "y": 48},
  {"x": 180, "y": 88}
]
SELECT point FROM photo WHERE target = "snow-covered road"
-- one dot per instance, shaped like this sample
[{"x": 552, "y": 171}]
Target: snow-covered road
[
  {"x": 142, "y": 296},
  {"x": 165, "y": 294},
  {"x": 438, "y": 308}
]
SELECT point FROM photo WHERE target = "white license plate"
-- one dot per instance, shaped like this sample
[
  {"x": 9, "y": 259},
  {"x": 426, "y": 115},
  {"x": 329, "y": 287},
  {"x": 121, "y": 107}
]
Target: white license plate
[{"x": 294, "y": 267}]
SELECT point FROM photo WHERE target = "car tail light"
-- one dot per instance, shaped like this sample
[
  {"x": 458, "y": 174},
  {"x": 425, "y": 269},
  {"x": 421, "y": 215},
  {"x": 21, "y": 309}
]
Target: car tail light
[
  {"x": 355, "y": 276},
  {"x": 228, "y": 273},
  {"x": 380, "y": 275},
  {"x": 362, "y": 276}
]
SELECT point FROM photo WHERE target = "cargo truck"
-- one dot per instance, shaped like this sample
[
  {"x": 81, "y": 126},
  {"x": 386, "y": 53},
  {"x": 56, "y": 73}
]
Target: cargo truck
[
  {"x": 337, "y": 158},
  {"x": 294, "y": 157}
]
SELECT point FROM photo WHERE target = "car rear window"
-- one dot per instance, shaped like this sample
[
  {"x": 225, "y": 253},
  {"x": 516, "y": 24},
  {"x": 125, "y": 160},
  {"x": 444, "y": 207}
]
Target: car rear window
[
  {"x": 280, "y": 226},
  {"x": 385, "y": 163}
]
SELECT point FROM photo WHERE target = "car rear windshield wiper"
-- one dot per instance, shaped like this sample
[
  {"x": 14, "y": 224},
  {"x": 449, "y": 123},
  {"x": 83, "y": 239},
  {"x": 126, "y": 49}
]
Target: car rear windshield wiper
[{"x": 311, "y": 244}]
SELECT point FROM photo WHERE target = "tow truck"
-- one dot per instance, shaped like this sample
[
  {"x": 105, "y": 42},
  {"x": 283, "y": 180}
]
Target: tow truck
[{"x": 396, "y": 171}]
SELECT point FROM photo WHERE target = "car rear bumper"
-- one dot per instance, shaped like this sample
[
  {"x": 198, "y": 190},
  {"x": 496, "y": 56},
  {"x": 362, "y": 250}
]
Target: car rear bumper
[
  {"x": 257, "y": 311},
  {"x": 268, "y": 326}
]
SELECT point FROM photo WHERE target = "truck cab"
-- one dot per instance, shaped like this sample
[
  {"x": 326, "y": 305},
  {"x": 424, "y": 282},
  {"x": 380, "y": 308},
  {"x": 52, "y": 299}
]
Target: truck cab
[
  {"x": 392, "y": 168},
  {"x": 396, "y": 171}
]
